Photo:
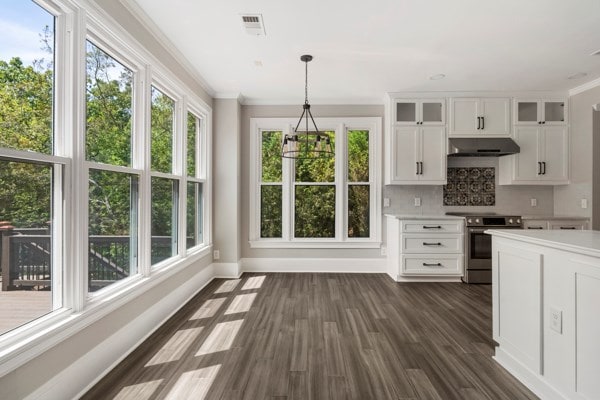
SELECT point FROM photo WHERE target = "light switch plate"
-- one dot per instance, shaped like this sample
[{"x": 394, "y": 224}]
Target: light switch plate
[
  {"x": 386, "y": 202},
  {"x": 417, "y": 202},
  {"x": 533, "y": 202},
  {"x": 583, "y": 203},
  {"x": 556, "y": 320}
]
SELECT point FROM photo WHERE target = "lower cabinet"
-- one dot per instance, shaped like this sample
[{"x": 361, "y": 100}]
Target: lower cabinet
[
  {"x": 425, "y": 249},
  {"x": 564, "y": 224}
]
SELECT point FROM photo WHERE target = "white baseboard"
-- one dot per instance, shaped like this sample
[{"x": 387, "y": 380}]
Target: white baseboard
[
  {"x": 227, "y": 270},
  {"x": 82, "y": 375},
  {"x": 340, "y": 265},
  {"x": 533, "y": 382}
]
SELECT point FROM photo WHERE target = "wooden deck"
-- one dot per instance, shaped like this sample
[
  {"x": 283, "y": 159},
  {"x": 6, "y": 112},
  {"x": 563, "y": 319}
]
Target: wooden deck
[{"x": 19, "y": 307}]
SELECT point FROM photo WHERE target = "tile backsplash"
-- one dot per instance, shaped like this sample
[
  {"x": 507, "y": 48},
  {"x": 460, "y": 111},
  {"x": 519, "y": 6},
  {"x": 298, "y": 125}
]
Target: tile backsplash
[{"x": 470, "y": 186}]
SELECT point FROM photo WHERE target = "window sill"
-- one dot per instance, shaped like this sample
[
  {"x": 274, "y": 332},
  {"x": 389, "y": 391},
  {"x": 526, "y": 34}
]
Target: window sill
[{"x": 317, "y": 244}]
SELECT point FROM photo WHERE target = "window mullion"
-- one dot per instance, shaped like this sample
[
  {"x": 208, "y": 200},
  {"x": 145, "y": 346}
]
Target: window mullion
[
  {"x": 341, "y": 190},
  {"x": 287, "y": 195},
  {"x": 180, "y": 209},
  {"x": 142, "y": 134}
]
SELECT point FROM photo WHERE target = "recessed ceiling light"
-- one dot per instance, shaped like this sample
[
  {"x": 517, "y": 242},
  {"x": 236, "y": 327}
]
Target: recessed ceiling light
[
  {"x": 258, "y": 63},
  {"x": 577, "y": 75},
  {"x": 437, "y": 77}
]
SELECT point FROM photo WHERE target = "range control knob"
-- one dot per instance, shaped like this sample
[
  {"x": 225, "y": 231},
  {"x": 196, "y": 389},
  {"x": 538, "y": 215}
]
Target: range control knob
[
  {"x": 518, "y": 220},
  {"x": 469, "y": 221},
  {"x": 476, "y": 220},
  {"x": 510, "y": 220}
]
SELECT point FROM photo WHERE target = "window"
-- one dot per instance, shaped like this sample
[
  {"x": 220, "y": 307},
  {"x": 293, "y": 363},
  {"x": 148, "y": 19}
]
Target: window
[
  {"x": 320, "y": 202},
  {"x": 84, "y": 216},
  {"x": 31, "y": 169},
  {"x": 196, "y": 178},
  {"x": 113, "y": 205}
]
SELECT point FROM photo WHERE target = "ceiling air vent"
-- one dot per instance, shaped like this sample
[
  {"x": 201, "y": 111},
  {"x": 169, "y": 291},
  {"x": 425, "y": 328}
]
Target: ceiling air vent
[{"x": 253, "y": 23}]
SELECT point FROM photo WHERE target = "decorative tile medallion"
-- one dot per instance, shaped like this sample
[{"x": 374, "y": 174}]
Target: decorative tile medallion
[{"x": 470, "y": 187}]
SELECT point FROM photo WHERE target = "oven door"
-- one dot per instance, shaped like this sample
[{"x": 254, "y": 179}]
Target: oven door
[{"x": 478, "y": 249}]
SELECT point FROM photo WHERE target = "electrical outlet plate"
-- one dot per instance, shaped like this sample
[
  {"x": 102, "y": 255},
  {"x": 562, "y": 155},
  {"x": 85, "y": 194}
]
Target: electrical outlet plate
[
  {"x": 386, "y": 202},
  {"x": 556, "y": 320},
  {"x": 584, "y": 203},
  {"x": 533, "y": 202},
  {"x": 417, "y": 202},
  {"x": 216, "y": 254}
]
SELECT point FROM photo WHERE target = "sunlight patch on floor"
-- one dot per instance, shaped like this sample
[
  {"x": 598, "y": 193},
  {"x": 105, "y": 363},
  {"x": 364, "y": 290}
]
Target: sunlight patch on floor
[
  {"x": 241, "y": 303},
  {"x": 209, "y": 308},
  {"x": 228, "y": 286},
  {"x": 254, "y": 282},
  {"x": 176, "y": 347},
  {"x": 221, "y": 338},
  {"x": 194, "y": 384},
  {"x": 140, "y": 391}
]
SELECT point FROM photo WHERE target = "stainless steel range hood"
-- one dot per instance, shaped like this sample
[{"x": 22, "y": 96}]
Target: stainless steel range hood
[{"x": 481, "y": 147}]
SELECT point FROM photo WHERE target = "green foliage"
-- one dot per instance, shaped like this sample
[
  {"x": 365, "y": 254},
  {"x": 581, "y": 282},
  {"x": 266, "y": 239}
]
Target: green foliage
[
  {"x": 317, "y": 169},
  {"x": 271, "y": 156},
  {"x": 108, "y": 109},
  {"x": 161, "y": 147},
  {"x": 192, "y": 137},
  {"x": 270, "y": 211},
  {"x": 110, "y": 202},
  {"x": 315, "y": 212},
  {"x": 25, "y": 107}
]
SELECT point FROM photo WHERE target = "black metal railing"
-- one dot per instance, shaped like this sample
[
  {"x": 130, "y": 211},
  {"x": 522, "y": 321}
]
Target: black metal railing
[{"x": 26, "y": 261}]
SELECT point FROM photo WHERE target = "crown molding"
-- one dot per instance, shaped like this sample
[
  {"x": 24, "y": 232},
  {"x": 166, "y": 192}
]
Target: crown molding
[
  {"x": 586, "y": 86},
  {"x": 165, "y": 42},
  {"x": 325, "y": 102},
  {"x": 229, "y": 96}
]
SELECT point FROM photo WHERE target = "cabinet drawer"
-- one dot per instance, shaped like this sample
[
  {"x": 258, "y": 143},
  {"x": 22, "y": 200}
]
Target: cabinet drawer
[
  {"x": 435, "y": 265},
  {"x": 433, "y": 226},
  {"x": 535, "y": 224},
  {"x": 432, "y": 244},
  {"x": 573, "y": 225}
]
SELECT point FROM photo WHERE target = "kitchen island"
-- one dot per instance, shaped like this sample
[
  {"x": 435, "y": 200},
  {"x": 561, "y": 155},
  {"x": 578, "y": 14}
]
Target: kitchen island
[{"x": 546, "y": 310}]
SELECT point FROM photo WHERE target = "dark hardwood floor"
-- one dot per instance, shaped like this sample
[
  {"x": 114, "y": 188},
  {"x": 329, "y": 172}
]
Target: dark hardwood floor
[{"x": 320, "y": 336}]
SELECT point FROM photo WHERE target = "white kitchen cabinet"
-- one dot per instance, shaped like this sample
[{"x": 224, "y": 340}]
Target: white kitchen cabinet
[
  {"x": 412, "y": 112},
  {"x": 480, "y": 117},
  {"x": 425, "y": 248},
  {"x": 555, "y": 223},
  {"x": 417, "y": 155},
  {"x": 540, "y": 112},
  {"x": 542, "y": 160}
]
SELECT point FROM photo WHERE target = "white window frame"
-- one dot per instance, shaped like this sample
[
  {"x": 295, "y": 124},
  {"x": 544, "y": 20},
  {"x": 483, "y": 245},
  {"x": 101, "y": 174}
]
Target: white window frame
[
  {"x": 76, "y": 21},
  {"x": 341, "y": 240}
]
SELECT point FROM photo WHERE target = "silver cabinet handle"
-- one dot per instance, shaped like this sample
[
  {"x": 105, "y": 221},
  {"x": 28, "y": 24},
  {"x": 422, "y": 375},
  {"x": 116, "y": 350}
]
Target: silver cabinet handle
[
  {"x": 431, "y": 244},
  {"x": 432, "y": 264}
]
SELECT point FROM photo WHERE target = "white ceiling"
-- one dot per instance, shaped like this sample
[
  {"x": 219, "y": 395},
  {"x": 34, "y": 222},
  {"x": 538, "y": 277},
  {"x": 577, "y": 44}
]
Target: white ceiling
[{"x": 363, "y": 49}]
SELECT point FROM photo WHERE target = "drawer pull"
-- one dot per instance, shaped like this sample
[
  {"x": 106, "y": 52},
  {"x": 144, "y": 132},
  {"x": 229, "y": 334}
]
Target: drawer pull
[
  {"x": 432, "y": 264},
  {"x": 431, "y": 244},
  {"x": 567, "y": 227},
  {"x": 432, "y": 227},
  {"x": 534, "y": 227}
]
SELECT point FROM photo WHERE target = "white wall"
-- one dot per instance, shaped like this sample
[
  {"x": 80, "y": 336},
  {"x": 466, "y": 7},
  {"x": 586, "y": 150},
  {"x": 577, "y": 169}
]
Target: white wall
[
  {"x": 226, "y": 178},
  {"x": 567, "y": 199},
  {"x": 596, "y": 171}
]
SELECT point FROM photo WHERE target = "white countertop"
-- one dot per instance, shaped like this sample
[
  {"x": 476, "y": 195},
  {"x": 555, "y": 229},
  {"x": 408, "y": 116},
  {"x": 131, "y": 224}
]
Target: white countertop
[
  {"x": 425, "y": 216},
  {"x": 555, "y": 217},
  {"x": 581, "y": 242}
]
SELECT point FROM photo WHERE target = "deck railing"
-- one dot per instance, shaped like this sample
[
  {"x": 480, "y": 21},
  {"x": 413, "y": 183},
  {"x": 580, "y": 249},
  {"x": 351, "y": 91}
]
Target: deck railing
[{"x": 26, "y": 262}]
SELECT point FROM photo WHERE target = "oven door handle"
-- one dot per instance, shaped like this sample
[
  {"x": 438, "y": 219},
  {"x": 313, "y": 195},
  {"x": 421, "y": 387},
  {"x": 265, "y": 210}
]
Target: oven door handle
[{"x": 477, "y": 230}]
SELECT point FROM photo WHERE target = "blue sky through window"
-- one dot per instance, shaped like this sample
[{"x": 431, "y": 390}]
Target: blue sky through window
[{"x": 21, "y": 24}]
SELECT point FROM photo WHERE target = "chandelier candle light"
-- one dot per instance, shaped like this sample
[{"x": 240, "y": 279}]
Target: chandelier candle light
[{"x": 306, "y": 144}]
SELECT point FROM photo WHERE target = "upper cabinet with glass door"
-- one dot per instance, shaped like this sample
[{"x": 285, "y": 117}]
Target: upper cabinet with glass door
[
  {"x": 418, "y": 112},
  {"x": 541, "y": 112}
]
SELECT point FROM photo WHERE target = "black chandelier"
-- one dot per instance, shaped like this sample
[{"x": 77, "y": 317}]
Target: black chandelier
[{"x": 306, "y": 144}]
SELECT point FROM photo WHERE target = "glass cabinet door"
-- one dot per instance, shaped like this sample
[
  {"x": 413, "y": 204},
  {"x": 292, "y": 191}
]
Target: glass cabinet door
[
  {"x": 406, "y": 112},
  {"x": 433, "y": 112},
  {"x": 554, "y": 111},
  {"x": 527, "y": 112}
]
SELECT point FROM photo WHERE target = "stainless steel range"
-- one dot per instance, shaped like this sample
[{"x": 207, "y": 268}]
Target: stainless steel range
[{"x": 478, "y": 245}]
